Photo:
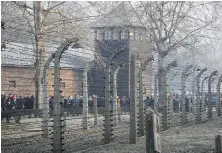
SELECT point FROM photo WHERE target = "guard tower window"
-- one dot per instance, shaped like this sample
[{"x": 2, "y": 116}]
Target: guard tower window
[
  {"x": 124, "y": 34},
  {"x": 99, "y": 34},
  {"x": 116, "y": 34},
  {"x": 108, "y": 34},
  {"x": 141, "y": 34},
  {"x": 137, "y": 34}
]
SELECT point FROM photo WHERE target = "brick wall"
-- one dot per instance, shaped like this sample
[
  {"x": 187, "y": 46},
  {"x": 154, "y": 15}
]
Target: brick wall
[{"x": 24, "y": 81}]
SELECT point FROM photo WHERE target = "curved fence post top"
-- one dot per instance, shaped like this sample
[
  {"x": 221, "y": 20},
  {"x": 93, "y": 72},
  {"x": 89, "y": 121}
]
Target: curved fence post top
[
  {"x": 214, "y": 73},
  {"x": 145, "y": 63},
  {"x": 65, "y": 45},
  {"x": 220, "y": 79},
  {"x": 114, "y": 54},
  {"x": 118, "y": 67},
  {"x": 169, "y": 66},
  {"x": 200, "y": 73},
  {"x": 185, "y": 72}
]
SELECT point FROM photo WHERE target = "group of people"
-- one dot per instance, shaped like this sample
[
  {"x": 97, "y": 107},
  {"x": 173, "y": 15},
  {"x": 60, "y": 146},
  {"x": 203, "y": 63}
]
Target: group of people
[
  {"x": 12, "y": 102},
  {"x": 77, "y": 101}
]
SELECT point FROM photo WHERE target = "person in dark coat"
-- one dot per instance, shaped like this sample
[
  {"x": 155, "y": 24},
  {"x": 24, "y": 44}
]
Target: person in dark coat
[
  {"x": 3, "y": 99},
  {"x": 19, "y": 103},
  {"x": 9, "y": 107},
  {"x": 29, "y": 104},
  {"x": 151, "y": 102},
  {"x": 81, "y": 102},
  {"x": 18, "y": 107},
  {"x": 32, "y": 101},
  {"x": 147, "y": 101},
  {"x": 66, "y": 103},
  {"x": 51, "y": 106},
  {"x": 26, "y": 99}
]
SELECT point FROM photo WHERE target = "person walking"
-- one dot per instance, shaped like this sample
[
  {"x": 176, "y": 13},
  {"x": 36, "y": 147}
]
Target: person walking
[
  {"x": 19, "y": 107},
  {"x": 9, "y": 108}
]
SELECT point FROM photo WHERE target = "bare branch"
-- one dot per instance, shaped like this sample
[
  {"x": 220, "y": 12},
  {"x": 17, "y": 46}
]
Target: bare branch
[{"x": 49, "y": 9}]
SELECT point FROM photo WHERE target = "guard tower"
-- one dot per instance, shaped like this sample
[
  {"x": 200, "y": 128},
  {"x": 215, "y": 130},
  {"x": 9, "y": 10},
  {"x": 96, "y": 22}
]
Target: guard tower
[{"x": 114, "y": 31}]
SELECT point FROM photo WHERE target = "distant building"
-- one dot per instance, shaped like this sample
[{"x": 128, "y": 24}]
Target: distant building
[
  {"x": 18, "y": 71},
  {"x": 114, "y": 31}
]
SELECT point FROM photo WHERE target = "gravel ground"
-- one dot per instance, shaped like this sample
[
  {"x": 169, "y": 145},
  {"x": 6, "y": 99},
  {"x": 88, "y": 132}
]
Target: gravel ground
[
  {"x": 198, "y": 138},
  {"x": 26, "y": 137}
]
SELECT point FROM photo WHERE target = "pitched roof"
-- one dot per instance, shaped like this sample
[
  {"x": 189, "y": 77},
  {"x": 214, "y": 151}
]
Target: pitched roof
[
  {"x": 119, "y": 16},
  {"x": 17, "y": 54}
]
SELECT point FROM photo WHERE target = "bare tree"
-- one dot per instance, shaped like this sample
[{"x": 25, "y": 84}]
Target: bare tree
[
  {"x": 172, "y": 26},
  {"x": 43, "y": 23}
]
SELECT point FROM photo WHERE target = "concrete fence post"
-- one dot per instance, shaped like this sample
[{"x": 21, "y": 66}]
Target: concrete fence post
[
  {"x": 210, "y": 115},
  {"x": 85, "y": 98},
  {"x": 152, "y": 130},
  {"x": 107, "y": 135},
  {"x": 133, "y": 124},
  {"x": 95, "y": 109},
  {"x": 64, "y": 121},
  {"x": 185, "y": 74},
  {"x": 218, "y": 144},
  {"x": 218, "y": 102},
  {"x": 155, "y": 94},
  {"x": 141, "y": 105},
  {"x": 57, "y": 126},
  {"x": 198, "y": 111},
  {"x": 108, "y": 129},
  {"x": 119, "y": 109},
  {"x": 165, "y": 104},
  {"x": 165, "y": 98},
  {"x": 115, "y": 100},
  {"x": 203, "y": 95},
  {"x": 170, "y": 110},
  {"x": 45, "y": 125}
]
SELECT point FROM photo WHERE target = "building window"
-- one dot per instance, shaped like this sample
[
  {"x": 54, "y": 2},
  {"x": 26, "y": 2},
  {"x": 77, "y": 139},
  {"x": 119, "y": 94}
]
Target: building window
[
  {"x": 12, "y": 84},
  {"x": 137, "y": 35},
  {"x": 108, "y": 34},
  {"x": 124, "y": 34},
  {"x": 116, "y": 33},
  {"x": 99, "y": 35},
  {"x": 62, "y": 85}
]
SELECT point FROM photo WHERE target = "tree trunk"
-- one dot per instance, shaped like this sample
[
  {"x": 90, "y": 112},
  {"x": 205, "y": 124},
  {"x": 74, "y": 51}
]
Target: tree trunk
[
  {"x": 40, "y": 51},
  {"x": 160, "y": 81}
]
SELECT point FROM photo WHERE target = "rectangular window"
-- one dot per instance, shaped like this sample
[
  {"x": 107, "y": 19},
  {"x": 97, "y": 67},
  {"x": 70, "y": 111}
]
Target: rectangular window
[
  {"x": 12, "y": 84},
  {"x": 137, "y": 35},
  {"x": 99, "y": 35},
  {"x": 108, "y": 35},
  {"x": 124, "y": 34},
  {"x": 116, "y": 33},
  {"x": 62, "y": 85}
]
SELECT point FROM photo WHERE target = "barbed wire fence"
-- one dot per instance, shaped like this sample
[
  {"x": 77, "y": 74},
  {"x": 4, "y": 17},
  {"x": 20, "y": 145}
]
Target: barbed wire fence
[
  {"x": 84, "y": 125},
  {"x": 100, "y": 115}
]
